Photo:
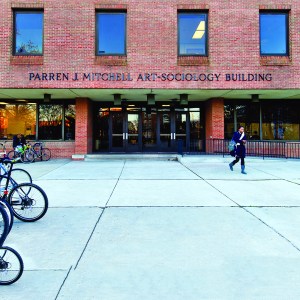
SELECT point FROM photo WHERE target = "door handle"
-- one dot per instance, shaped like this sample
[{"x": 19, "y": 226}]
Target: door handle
[
  {"x": 174, "y": 136},
  {"x": 123, "y": 136},
  {"x": 126, "y": 136}
]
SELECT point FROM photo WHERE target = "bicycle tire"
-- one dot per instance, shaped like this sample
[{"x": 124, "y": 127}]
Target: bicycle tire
[
  {"x": 13, "y": 154},
  {"x": 3, "y": 225},
  {"x": 45, "y": 154},
  {"x": 23, "y": 199},
  {"x": 10, "y": 214},
  {"x": 24, "y": 157},
  {"x": 20, "y": 176},
  {"x": 11, "y": 263},
  {"x": 30, "y": 155}
]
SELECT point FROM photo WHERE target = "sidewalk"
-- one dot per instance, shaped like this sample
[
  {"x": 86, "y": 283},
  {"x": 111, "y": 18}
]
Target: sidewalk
[{"x": 147, "y": 229}]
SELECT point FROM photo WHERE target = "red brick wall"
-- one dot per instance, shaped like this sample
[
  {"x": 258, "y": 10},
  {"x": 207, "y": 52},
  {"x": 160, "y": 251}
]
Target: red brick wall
[
  {"x": 69, "y": 44},
  {"x": 214, "y": 119},
  {"x": 58, "y": 149},
  {"x": 83, "y": 130}
]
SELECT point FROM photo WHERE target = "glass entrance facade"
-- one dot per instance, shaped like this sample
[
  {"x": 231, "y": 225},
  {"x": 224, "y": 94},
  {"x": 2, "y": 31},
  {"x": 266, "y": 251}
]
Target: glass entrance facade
[{"x": 142, "y": 129}]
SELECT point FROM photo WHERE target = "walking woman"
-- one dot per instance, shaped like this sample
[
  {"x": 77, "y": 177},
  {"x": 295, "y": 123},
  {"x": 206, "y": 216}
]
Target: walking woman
[{"x": 240, "y": 152}]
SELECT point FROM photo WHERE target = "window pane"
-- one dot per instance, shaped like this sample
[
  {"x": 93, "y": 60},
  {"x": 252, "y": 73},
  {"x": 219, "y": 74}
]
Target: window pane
[
  {"x": 50, "y": 122},
  {"x": 111, "y": 33},
  {"x": 280, "y": 121},
  {"x": 228, "y": 120},
  {"x": 16, "y": 119},
  {"x": 273, "y": 34},
  {"x": 28, "y": 33},
  {"x": 70, "y": 115},
  {"x": 248, "y": 117},
  {"x": 192, "y": 34}
]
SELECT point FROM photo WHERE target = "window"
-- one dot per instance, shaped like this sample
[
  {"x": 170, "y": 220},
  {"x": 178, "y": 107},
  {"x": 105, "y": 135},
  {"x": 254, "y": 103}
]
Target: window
[
  {"x": 280, "y": 121},
  {"x": 50, "y": 122},
  {"x": 274, "y": 34},
  {"x": 28, "y": 33},
  {"x": 192, "y": 33},
  {"x": 246, "y": 115},
  {"x": 70, "y": 114},
  {"x": 111, "y": 33},
  {"x": 17, "y": 118}
]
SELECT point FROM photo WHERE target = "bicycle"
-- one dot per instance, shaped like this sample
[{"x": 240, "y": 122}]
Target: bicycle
[
  {"x": 28, "y": 201},
  {"x": 38, "y": 151},
  {"x": 11, "y": 263},
  {"x": 20, "y": 152}
]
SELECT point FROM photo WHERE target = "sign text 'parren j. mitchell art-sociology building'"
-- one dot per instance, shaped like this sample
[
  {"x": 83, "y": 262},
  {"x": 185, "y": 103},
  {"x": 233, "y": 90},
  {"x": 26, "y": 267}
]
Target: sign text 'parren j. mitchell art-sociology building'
[{"x": 137, "y": 76}]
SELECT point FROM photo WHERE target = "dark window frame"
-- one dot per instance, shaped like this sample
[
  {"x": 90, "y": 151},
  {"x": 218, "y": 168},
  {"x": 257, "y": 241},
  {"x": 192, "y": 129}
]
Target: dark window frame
[
  {"x": 287, "y": 20},
  {"x": 64, "y": 105},
  {"x": 189, "y": 12},
  {"x": 28, "y": 11},
  {"x": 110, "y": 11}
]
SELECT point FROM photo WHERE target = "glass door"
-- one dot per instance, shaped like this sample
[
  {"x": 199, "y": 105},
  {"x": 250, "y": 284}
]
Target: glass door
[
  {"x": 181, "y": 129},
  {"x": 149, "y": 130},
  {"x": 117, "y": 131},
  {"x": 133, "y": 134},
  {"x": 165, "y": 129}
]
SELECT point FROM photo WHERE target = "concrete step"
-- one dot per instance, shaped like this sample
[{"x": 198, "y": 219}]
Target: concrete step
[{"x": 131, "y": 156}]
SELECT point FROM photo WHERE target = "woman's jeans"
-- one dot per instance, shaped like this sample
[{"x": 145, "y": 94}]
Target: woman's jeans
[{"x": 237, "y": 160}]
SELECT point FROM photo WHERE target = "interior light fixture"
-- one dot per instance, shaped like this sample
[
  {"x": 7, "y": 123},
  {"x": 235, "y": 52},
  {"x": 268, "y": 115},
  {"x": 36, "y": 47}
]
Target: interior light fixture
[
  {"x": 166, "y": 105},
  {"x": 47, "y": 98},
  {"x": 199, "y": 33},
  {"x": 117, "y": 99},
  {"x": 184, "y": 99},
  {"x": 21, "y": 100},
  {"x": 151, "y": 99},
  {"x": 255, "y": 97}
]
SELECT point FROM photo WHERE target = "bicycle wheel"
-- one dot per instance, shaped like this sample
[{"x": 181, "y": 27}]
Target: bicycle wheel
[
  {"x": 3, "y": 225},
  {"x": 10, "y": 214},
  {"x": 29, "y": 202},
  {"x": 20, "y": 176},
  {"x": 46, "y": 154},
  {"x": 29, "y": 155},
  {"x": 11, "y": 266},
  {"x": 25, "y": 157},
  {"x": 13, "y": 154}
]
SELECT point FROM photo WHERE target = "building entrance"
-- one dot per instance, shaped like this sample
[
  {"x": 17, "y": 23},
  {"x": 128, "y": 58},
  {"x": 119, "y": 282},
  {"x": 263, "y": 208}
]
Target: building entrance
[{"x": 128, "y": 129}]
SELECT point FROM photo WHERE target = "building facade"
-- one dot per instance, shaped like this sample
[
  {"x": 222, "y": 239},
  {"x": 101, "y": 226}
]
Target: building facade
[{"x": 137, "y": 76}]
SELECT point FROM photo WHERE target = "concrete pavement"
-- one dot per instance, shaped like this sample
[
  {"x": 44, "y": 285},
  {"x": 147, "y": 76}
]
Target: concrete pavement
[{"x": 155, "y": 229}]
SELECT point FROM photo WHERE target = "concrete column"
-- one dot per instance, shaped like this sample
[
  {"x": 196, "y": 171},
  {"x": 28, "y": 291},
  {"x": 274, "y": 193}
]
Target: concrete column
[{"x": 84, "y": 128}]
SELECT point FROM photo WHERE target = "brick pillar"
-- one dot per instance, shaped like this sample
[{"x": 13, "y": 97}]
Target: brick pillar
[
  {"x": 214, "y": 124},
  {"x": 84, "y": 128}
]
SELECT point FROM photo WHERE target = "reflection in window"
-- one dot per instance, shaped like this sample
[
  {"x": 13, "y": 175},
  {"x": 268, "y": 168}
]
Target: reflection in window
[
  {"x": 111, "y": 33},
  {"x": 50, "y": 122},
  {"x": 248, "y": 117},
  {"x": 17, "y": 118},
  {"x": 274, "y": 33},
  {"x": 70, "y": 114},
  {"x": 280, "y": 121},
  {"x": 196, "y": 130},
  {"x": 192, "y": 33},
  {"x": 28, "y": 33},
  {"x": 229, "y": 120}
]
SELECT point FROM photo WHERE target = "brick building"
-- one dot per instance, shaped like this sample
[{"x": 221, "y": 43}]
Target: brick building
[{"x": 137, "y": 76}]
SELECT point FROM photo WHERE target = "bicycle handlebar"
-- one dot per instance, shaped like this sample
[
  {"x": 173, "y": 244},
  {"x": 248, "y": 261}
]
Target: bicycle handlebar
[{"x": 9, "y": 161}]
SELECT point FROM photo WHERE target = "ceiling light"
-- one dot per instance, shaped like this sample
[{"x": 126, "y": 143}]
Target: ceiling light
[{"x": 199, "y": 33}]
